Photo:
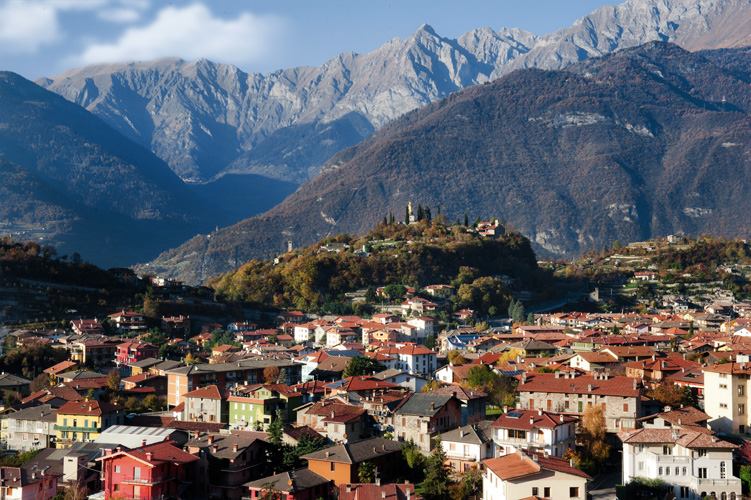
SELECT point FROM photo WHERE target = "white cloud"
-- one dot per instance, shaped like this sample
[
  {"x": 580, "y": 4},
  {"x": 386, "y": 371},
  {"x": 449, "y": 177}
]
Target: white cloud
[
  {"x": 191, "y": 32},
  {"x": 119, "y": 15},
  {"x": 26, "y": 26}
]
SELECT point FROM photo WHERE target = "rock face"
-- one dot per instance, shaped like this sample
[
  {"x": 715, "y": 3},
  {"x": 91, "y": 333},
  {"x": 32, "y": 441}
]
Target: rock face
[
  {"x": 70, "y": 180},
  {"x": 646, "y": 142},
  {"x": 205, "y": 119}
]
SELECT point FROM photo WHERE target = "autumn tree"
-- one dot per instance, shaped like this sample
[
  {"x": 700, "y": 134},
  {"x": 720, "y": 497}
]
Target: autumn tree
[
  {"x": 113, "y": 381},
  {"x": 455, "y": 358},
  {"x": 593, "y": 435},
  {"x": 271, "y": 374},
  {"x": 670, "y": 394}
]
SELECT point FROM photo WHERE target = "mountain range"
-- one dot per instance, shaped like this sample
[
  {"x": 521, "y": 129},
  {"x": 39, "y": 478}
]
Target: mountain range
[
  {"x": 206, "y": 119},
  {"x": 647, "y": 141},
  {"x": 74, "y": 182},
  {"x": 238, "y": 143}
]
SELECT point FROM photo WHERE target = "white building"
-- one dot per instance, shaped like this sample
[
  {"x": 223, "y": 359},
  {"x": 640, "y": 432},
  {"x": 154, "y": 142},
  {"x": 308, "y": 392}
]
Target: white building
[
  {"x": 466, "y": 447},
  {"x": 534, "y": 431},
  {"x": 413, "y": 358},
  {"x": 726, "y": 397},
  {"x": 424, "y": 326},
  {"x": 517, "y": 475},
  {"x": 694, "y": 462}
]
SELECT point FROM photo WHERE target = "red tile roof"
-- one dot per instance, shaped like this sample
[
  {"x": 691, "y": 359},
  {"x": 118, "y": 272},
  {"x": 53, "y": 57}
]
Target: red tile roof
[
  {"x": 532, "y": 419},
  {"x": 90, "y": 407},
  {"x": 581, "y": 384},
  {"x": 208, "y": 392}
]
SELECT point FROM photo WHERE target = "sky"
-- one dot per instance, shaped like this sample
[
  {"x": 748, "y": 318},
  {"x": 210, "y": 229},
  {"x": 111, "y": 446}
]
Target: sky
[{"x": 45, "y": 37}]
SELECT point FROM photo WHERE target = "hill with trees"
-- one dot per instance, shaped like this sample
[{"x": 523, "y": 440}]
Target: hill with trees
[{"x": 393, "y": 255}]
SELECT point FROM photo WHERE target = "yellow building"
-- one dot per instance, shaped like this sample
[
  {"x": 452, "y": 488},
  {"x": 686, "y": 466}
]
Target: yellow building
[{"x": 83, "y": 421}]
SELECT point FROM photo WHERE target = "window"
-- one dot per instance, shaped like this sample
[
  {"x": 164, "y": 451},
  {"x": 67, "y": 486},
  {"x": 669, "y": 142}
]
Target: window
[
  {"x": 331, "y": 466},
  {"x": 741, "y": 390},
  {"x": 667, "y": 471},
  {"x": 641, "y": 466},
  {"x": 573, "y": 492},
  {"x": 742, "y": 429},
  {"x": 546, "y": 493},
  {"x": 684, "y": 491},
  {"x": 741, "y": 409},
  {"x": 677, "y": 471},
  {"x": 659, "y": 471},
  {"x": 702, "y": 473},
  {"x": 684, "y": 471},
  {"x": 722, "y": 470},
  {"x": 667, "y": 449},
  {"x": 535, "y": 491},
  {"x": 701, "y": 453},
  {"x": 723, "y": 405},
  {"x": 117, "y": 469},
  {"x": 625, "y": 407},
  {"x": 723, "y": 386}
]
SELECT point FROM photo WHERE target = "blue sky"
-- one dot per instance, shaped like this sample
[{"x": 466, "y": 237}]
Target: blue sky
[{"x": 44, "y": 37}]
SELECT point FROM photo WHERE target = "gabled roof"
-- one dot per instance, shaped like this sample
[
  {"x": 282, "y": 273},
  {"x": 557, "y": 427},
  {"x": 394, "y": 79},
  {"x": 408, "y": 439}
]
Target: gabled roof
[
  {"x": 89, "y": 407},
  {"x": 355, "y": 453},
  {"x": 288, "y": 482},
  {"x": 479, "y": 433},
  {"x": 424, "y": 404},
  {"x": 532, "y": 419},
  {"x": 676, "y": 435},
  {"x": 518, "y": 465},
  {"x": 155, "y": 454},
  {"x": 372, "y": 491},
  {"x": 581, "y": 384},
  {"x": 60, "y": 367},
  {"x": 208, "y": 392}
]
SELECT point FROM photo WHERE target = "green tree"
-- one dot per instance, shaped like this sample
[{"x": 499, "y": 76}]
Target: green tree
[
  {"x": 745, "y": 476},
  {"x": 362, "y": 365},
  {"x": 366, "y": 472},
  {"x": 278, "y": 449},
  {"x": 394, "y": 292},
  {"x": 469, "y": 486},
  {"x": 500, "y": 389},
  {"x": 435, "y": 486}
]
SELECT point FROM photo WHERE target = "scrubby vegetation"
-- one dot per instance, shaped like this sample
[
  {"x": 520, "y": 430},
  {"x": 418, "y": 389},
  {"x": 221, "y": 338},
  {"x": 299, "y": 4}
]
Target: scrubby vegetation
[{"x": 415, "y": 255}]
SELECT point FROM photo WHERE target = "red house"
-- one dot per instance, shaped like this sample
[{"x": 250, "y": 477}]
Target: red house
[
  {"x": 132, "y": 352},
  {"x": 159, "y": 470}
]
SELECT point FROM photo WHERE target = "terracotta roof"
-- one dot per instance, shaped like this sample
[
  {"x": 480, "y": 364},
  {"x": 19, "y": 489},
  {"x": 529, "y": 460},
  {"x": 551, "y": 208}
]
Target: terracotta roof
[
  {"x": 518, "y": 465},
  {"x": 730, "y": 368},
  {"x": 371, "y": 491},
  {"x": 532, "y": 419},
  {"x": 91, "y": 407},
  {"x": 580, "y": 384},
  {"x": 336, "y": 412},
  {"x": 688, "y": 438},
  {"x": 208, "y": 392},
  {"x": 60, "y": 367},
  {"x": 159, "y": 453}
]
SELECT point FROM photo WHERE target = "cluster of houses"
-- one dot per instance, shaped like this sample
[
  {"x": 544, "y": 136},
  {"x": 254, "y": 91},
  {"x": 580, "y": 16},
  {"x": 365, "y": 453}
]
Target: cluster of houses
[{"x": 207, "y": 436}]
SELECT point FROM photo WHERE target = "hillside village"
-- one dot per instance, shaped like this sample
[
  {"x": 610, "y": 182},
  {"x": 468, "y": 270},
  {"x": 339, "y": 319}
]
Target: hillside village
[{"x": 462, "y": 387}]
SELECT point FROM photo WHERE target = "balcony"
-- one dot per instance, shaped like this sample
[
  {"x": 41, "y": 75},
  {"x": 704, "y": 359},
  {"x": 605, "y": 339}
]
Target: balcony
[
  {"x": 731, "y": 482},
  {"x": 147, "y": 481},
  {"x": 76, "y": 429}
]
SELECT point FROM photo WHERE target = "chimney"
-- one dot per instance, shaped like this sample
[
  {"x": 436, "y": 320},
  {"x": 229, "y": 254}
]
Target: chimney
[
  {"x": 214, "y": 449},
  {"x": 531, "y": 421},
  {"x": 348, "y": 488},
  {"x": 148, "y": 456},
  {"x": 234, "y": 447},
  {"x": 143, "y": 442},
  {"x": 589, "y": 387},
  {"x": 328, "y": 454},
  {"x": 210, "y": 439},
  {"x": 432, "y": 405},
  {"x": 570, "y": 462},
  {"x": 560, "y": 417},
  {"x": 539, "y": 411}
]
